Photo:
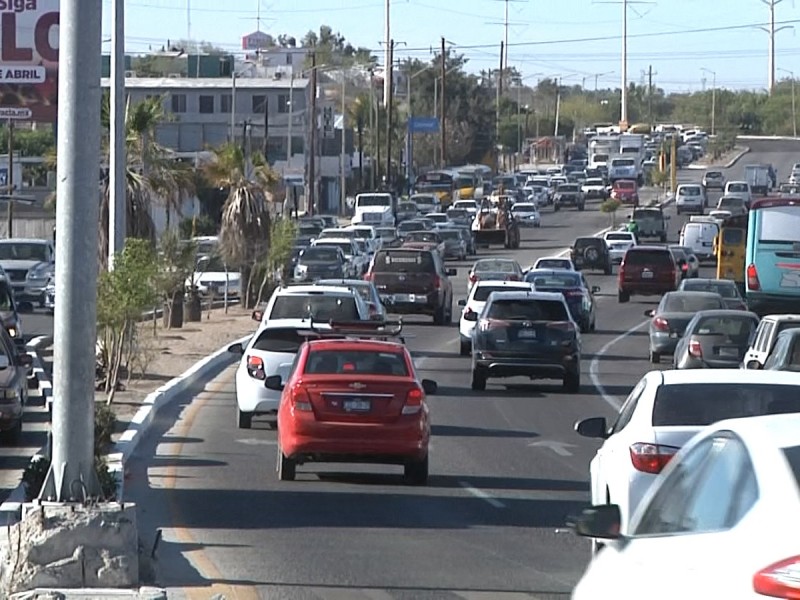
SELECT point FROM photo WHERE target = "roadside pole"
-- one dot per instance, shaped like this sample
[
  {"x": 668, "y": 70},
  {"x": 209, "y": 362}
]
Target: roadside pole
[
  {"x": 72, "y": 476},
  {"x": 673, "y": 167},
  {"x": 10, "y": 182},
  {"x": 117, "y": 160}
]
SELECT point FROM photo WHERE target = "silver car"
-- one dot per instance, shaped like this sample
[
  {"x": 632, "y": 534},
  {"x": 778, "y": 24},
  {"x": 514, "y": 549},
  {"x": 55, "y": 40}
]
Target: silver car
[{"x": 673, "y": 314}]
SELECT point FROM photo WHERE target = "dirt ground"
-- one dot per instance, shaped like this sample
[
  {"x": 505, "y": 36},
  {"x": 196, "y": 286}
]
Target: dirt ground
[{"x": 170, "y": 352}]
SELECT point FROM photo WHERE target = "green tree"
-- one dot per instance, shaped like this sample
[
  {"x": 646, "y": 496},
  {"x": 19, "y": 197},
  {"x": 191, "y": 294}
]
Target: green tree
[{"x": 331, "y": 48}]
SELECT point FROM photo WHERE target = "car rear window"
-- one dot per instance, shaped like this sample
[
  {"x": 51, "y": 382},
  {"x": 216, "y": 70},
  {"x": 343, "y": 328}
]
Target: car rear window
[
  {"x": 690, "y": 302},
  {"x": 690, "y": 191},
  {"x": 355, "y": 362},
  {"x": 730, "y": 203},
  {"x": 701, "y": 404},
  {"x": 495, "y": 266},
  {"x": 528, "y": 310},
  {"x": 619, "y": 237},
  {"x": 738, "y": 328},
  {"x": 732, "y": 236},
  {"x": 659, "y": 258},
  {"x": 555, "y": 280},
  {"x": 406, "y": 226},
  {"x": 450, "y": 234},
  {"x": 724, "y": 290},
  {"x": 324, "y": 253},
  {"x": 482, "y": 291},
  {"x": 792, "y": 455},
  {"x": 404, "y": 262},
  {"x": 286, "y": 340},
  {"x": 323, "y": 307},
  {"x": 587, "y": 242}
]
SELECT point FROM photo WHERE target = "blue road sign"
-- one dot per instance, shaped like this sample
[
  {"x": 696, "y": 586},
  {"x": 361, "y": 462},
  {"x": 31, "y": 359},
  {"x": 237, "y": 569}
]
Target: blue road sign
[{"x": 423, "y": 125}]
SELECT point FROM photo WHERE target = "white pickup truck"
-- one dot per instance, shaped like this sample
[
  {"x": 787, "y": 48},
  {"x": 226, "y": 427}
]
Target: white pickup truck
[{"x": 374, "y": 208}]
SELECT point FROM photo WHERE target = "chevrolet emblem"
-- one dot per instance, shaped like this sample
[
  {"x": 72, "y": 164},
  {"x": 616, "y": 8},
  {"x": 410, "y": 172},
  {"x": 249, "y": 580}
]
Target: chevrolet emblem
[{"x": 357, "y": 386}]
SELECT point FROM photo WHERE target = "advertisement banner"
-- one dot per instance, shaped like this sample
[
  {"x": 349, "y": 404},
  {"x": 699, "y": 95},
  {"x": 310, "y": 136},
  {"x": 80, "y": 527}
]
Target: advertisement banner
[{"x": 29, "y": 59}]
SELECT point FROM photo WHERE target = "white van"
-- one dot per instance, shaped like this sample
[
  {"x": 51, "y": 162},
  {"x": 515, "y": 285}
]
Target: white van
[
  {"x": 739, "y": 189},
  {"x": 690, "y": 197},
  {"x": 699, "y": 236}
]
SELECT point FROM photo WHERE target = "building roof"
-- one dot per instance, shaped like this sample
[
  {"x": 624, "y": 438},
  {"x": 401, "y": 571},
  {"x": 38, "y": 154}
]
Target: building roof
[{"x": 207, "y": 83}]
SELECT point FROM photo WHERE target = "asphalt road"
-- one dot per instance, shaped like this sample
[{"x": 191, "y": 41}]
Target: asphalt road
[{"x": 506, "y": 471}]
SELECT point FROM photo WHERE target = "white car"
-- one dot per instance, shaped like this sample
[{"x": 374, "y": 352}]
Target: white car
[
  {"x": 527, "y": 214},
  {"x": 356, "y": 259},
  {"x": 664, "y": 410},
  {"x": 273, "y": 345},
  {"x": 323, "y": 303},
  {"x": 740, "y": 189},
  {"x": 374, "y": 208},
  {"x": 440, "y": 219},
  {"x": 736, "y": 205},
  {"x": 212, "y": 278},
  {"x": 554, "y": 262},
  {"x": 367, "y": 290},
  {"x": 594, "y": 187},
  {"x": 618, "y": 243},
  {"x": 717, "y": 521},
  {"x": 690, "y": 197},
  {"x": 367, "y": 233},
  {"x": 473, "y": 305},
  {"x": 426, "y": 203},
  {"x": 336, "y": 232},
  {"x": 471, "y": 206}
]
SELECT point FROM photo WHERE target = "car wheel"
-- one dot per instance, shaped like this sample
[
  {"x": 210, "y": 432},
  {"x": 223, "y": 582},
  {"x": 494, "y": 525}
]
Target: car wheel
[
  {"x": 655, "y": 357},
  {"x": 244, "y": 420},
  {"x": 572, "y": 382},
  {"x": 623, "y": 297},
  {"x": 608, "y": 270},
  {"x": 439, "y": 316},
  {"x": 593, "y": 326},
  {"x": 273, "y": 424},
  {"x": 465, "y": 348},
  {"x": 416, "y": 473},
  {"x": 14, "y": 435},
  {"x": 677, "y": 211},
  {"x": 478, "y": 380},
  {"x": 580, "y": 207},
  {"x": 448, "y": 320},
  {"x": 287, "y": 468}
]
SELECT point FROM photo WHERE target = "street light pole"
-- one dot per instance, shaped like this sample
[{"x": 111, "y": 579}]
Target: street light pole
[
  {"x": 713, "y": 98},
  {"x": 794, "y": 106},
  {"x": 343, "y": 178},
  {"x": 623, "y": 121},
  {"x": 72, "y": 475},
  {"x": 116, "y": 156},
  {"x": 289, "y": 124}
]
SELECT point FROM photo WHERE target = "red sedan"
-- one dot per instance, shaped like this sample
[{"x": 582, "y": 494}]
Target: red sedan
[
  {"x": 626, "y": 191},
  {"x": 353, "y": 400}
]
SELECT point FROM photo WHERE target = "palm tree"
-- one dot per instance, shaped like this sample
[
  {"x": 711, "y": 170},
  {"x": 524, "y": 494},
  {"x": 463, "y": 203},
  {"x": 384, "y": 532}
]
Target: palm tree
[{"x": 245, "y": 228}]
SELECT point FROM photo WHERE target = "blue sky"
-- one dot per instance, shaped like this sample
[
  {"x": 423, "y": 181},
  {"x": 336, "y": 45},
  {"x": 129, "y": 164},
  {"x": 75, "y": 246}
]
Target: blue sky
[{"x": 677, "y": 37}]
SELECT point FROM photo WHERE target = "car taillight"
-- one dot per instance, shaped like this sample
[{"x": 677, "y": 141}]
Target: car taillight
[
  {"x": 695, "y": 349},
  {"x": 752, "y": 278},
  {"x": 573, "y": 294},
  {"x": 661, "y": 324},
  {"x": 512, "y": 277},
  {"x": 651, "y": 458},
  {"x": 779, "y": 580},
  {"x": 468, "y": 311},
  {"x": 684, "y": 267},
  {"x": 473, "y": 278},
  {"x": 300, "y": 400},
  {"x": 255, "y": 367},
  {"x": 413, "y": 401},
  {"x": 437, "y": 282},
  {"x": 368, "y": 276}
]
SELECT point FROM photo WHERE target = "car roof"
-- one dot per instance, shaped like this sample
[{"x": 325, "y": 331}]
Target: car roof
[
  {"x": 558, "y": 272},
  {"x": 502, "y": 283},
  {"x": 781, "y": 317},
  {"x": 675, "y": 377},
  {"x": 780, "y": 431},
  {"x": 342, "y": 282},
  {"x": 288, "y": 324},
  {"x": 648, "y": 248},
  {"x": 526, "y": 295},
  {"x": 692, "y": 293},
  {"x": 726, "y": 312},
  {"x": 331, "y": 240},
  {"x": 709, "y": 281},
  {"x": 315, "y": 290},
  {"x": 357, "y": 344},
  {"x": 564, "y": 258}
]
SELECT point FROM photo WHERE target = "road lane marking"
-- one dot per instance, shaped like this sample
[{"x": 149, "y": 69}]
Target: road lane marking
[
  {"x": 559, "y": 448},
  {"x": 594, "y": 366},
  {"x": 482, "y": 495},
  {"x": 199, "y": 558},
  {"x": 258, "y": 442},
  {"x": 596, "y": 234}
]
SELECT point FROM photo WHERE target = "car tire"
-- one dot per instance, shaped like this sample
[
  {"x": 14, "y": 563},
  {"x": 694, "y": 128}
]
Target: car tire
[
  {"x": 623, "y": 297},
  {"x": 244, "y": 420},
  {"x": 13, "y": 436},
  {"x": 287, "y": 468},
  {"x": 593, "y": 326},
  {"x": 478, "y": 380},
  {"x": 655, "y": 357},
  {"x": 448, "y": 319},
  {"x": 677, "y": 211},
  {"x": 572, "y": 383},
  {"x": 439, "y": 316},
  {"x": 608, "y": 270},
  {"x": 465, "y": 348},
  {"x": 416, "y": 472}
]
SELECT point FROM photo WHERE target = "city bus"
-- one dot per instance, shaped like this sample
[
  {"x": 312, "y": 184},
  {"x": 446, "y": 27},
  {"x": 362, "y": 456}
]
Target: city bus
[
  {"x": 441, "y": 182},
  {"x": 470, "y": 181},
  {"x": 772, "y": 256}
]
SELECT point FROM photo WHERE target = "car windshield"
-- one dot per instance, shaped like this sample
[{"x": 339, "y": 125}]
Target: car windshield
[
  {"x": 496, "y": 266},
  {"x": 552, "y": 263},
  {"x": 211, "y": 264},
  {"x": 355, "y": 362},
  {"x": 426, "y": 200},
  {"x": 364, "y": 289},
  {"x": 524, "y": 207},
  {"x": 407, "y": 226},
  {"x": 283, "y": 339},
  {"x": 730, "y": 203},
  {"x": 404, "y": 262},
  {"x": 713, "y": 175},
  {"x": 385, "y": 232},
  {"x": 724, "y": 289},
  {"x": 457, "y": 213},
  {"x": 23, "y": 251},
  {"x": 593, "y": 182},
  {"x": 555, "y": 280},
  {"x": 321, "y": 253},
  {"x": 568, "y": 187},
  {"x": 323, "y": 307},
  {"x": 641, "y": 214},
  {"x": 450, "y": 234},
  {"x": 373, "y": 200},
  {"x": 309, "y": 229},
  {"x": 701, "y": 404},
  {"x": 527, "y": 310},
  {"x": 407, "y": 207},
  {"x": 738, "y": 328},
  {"x": 345, "y": 247},
  {"x": 622, "y": 162},
  {"x": 423, "y": 236},
  {"x": 737, "y": 187},
  {"x": 363, "y": 234},
  {"x": 690, "y": 302}
]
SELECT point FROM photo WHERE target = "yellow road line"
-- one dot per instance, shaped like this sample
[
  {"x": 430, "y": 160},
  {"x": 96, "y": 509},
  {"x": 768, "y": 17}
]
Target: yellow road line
[{"x": 199, "y": 558}]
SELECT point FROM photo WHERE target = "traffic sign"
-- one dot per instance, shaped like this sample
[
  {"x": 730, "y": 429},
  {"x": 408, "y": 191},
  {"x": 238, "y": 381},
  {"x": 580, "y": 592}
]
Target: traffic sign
[
  {"x": 423, "y": 125},
  {"x": 13, "y": 112}
]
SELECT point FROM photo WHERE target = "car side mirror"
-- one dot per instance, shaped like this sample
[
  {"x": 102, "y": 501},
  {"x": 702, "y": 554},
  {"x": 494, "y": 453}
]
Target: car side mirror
[
  {"x": 753, "y": 365},
  {"x": 649, "y": 313},
  {"x": 430, "y": 386},
  {"x": 594, "y": 427},
  {"x": 24, "y": 360},
  {"x": 274, "y": 382},
  {"x": 602, "y": 521},
  {"x": 452, "y": 272},
  {"x": 595, "y": 289},
  {"x": 462, "y": 302},
  {"x": 257, "y": 315},
  {"x": 236, "y": 349}
]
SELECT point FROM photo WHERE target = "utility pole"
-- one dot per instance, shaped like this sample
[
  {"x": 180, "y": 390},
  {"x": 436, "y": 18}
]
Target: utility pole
[
  {"x": 558, "y": 105},
  {"x": 442, "y": 127},
  {"x": 673, "y": 164},
  {"x": 623, "y": 121},
  {"x": 389, "y": 107},
  {"x": 117, "y": 160},
  {"x": 10, "y": 182},
  {"x": 289, "y": 122},
  {"x": 312, "y": 146},
  {"x": 771, "y": 31},
  {"x": 504, "y": 47},
  {"x": 387, "y": 56},
  {"x": 713, "y": 98},
  {"x": 499, "y": 93},
  {"x": 72, "y": 476},
  {"x": 650, "y": 94},
  {"x": 342, "y": 154},
  {"x": 265, "y": 143}
]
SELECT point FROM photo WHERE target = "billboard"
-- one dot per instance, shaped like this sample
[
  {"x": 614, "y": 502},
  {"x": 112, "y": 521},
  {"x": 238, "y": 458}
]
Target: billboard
[{"x": 29, "y": 59}]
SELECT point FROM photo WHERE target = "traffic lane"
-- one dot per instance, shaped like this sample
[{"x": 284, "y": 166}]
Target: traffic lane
[
  {"x": 782, "y": 154},
  {"x": 36, "y": 323}
]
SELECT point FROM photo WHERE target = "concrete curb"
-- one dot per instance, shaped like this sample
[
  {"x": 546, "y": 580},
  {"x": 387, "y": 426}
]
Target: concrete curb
[
  {"x": 202, "y": 370},
  {"x": 143, "y": 593},
  {"x": 727, "y": 165}
]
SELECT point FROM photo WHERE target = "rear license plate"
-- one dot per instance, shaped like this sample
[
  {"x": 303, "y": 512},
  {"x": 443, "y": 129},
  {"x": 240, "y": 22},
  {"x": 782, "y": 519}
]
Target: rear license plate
[
  {"x": 647, "y": 275},
  {"x": 527, "y": 334},
  {"x": 733, "y": 352},
  {"x": 403, "y": 298},
  {"x": 356, "y": 405}
]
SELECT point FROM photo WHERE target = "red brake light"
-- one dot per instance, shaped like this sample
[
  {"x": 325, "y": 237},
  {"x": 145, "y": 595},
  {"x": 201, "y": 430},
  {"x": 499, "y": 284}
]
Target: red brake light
[
  {"x": 752, "y": 278},
  {"x": 413, "y": 401},
  {"x": 661, "y": 324},
  {"x": 437, "y": 282},
  {"x": 684, "y": 267},
  {"x": 255, "y": 367},
  {"x": 651, "y": 458},
  {"x": 300, "y": 400},
  {"x": 573, "y": 294},
  {"x": 368, "y": 276},
  {"x": 779, "y": 580},
  {"x": 473, "y": 278},
  {"x": 695, "y": 349},
  {"x": 512, "y": 278}
]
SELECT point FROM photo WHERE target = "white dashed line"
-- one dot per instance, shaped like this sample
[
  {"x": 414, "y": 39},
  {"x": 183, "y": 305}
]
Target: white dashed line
[{"x": 482, "y": 495}]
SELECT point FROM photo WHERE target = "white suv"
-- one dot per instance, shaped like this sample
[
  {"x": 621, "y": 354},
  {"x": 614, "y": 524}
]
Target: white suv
[
  {"x": 322, "y": 302},
  {"x": 618, "y": 243},
  {"x": 690, "y": 197},
  {"x": 473, "y": 305},
  {"x": 764, "y": 338}
]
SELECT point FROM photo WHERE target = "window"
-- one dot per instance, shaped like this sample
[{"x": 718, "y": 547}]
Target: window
[
  {"x": 330, "y": 362},
  {"x": 179, "y": 103},
  {"x": 528, "y": 310},
  {"x": 279, "y": 340},
  {"x": 649, "y": 258},
  {"x": 288, "y": 58},
  {"x": 283, "y": 103},
  {"x": 259, "y": 104},
  {"x": 766, "y": 333},
  {"x": 206, "y": 105},
  {"x": 225, "y": 103},
  {"x": 322, "y": 307},
  {"x": 779, "y": 225},
  {"x": 627, "y": 410},
  {"x": 689, "y": 302},
  {"x": 405, "y": 262}
]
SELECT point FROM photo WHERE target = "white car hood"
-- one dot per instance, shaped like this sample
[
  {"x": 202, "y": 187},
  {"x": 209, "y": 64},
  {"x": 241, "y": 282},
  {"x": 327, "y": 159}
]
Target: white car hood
[
  {"x": 19, "y": 264},
  {"x": 233, "y": 278},
  {"x": 373, "y": 209}
]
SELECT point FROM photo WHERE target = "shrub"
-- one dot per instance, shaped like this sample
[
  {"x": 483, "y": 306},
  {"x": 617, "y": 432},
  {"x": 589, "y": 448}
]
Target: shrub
[{"x": 105, "y": 423}]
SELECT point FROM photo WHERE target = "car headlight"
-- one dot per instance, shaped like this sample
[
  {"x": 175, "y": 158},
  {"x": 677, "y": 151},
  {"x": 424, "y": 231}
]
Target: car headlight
[
  {"x": 301, "y": 268},
  {"x": 13, "y": 331},
  {"x": 11, "y": 394}
]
